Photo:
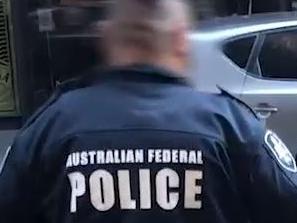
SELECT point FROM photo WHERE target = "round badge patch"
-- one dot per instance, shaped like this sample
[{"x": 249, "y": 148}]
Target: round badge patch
[{"x": 280, "y": 151}]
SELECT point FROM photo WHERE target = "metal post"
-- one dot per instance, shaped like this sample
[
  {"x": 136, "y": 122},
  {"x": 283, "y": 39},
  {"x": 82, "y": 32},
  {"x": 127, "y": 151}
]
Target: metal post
[{"x": 250, "y": 7}]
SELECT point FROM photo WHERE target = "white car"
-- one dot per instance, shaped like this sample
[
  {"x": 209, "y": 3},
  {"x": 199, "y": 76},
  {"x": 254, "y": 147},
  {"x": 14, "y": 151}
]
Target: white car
[{"x": 254, "y": 58}]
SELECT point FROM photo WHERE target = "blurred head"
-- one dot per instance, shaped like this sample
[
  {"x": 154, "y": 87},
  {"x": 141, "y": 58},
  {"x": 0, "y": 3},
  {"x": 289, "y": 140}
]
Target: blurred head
[{"x": 149, "y": 32}]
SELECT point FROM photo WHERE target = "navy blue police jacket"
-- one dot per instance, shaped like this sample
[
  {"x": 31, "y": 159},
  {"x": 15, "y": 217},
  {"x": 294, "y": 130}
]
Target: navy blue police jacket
[{"x": 136, "y": 144}]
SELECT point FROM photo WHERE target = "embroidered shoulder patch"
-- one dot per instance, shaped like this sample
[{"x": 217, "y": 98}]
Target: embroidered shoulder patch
[{"x": 280, "y": 151}]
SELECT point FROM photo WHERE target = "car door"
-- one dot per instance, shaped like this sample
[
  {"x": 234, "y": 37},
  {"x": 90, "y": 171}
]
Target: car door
[
  {"x": 271, "y": 84},
  {"x": 220, "y": 64}
]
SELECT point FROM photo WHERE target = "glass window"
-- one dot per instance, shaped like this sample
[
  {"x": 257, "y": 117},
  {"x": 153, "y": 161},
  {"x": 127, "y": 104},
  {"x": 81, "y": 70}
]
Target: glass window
[
  {"x": 279, "y": 55},
  {"x": 67, "y": 40},
  {"x": 239, "y": 50}
]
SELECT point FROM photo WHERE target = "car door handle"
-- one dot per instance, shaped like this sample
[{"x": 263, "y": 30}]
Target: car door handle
[{"x": 264, "y": 111}]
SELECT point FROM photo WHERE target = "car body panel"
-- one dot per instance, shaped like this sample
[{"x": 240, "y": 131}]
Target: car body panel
[
  {"x": 225, "y": 28},
  {"x": 206, "y": 59},
  {"x": 278, "y": 95},
  {"x": 239, "y": 31}
]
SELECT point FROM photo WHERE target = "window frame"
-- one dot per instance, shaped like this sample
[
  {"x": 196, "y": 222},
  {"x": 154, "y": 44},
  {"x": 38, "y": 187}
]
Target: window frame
[
  {"x": 236, "y": 38},
  {"x": 258, "y": 49}
]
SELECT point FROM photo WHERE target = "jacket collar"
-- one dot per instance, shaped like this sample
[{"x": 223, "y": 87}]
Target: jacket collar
[
  {"x": 136, "y": 73},
  {"x": 141, "y": 73}
]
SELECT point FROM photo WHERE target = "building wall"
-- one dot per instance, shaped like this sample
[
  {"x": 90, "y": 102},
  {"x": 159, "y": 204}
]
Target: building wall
[{"x": 219, "y": 8}]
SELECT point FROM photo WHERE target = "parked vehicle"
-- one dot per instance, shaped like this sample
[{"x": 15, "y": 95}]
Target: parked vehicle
[{"x": 255, "y": 59}]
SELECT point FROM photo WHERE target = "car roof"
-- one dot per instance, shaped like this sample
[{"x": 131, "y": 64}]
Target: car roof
[{"x": 223, "y": 28}]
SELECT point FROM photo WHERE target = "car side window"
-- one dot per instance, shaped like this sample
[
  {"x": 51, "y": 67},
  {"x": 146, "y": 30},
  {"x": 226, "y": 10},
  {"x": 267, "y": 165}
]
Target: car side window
[
  {"x": 278, "y": 55},
  {"x": 239, "y": 50}
]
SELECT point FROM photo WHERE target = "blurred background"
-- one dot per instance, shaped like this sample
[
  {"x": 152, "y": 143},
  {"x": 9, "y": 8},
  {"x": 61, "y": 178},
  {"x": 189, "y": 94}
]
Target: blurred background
[{"x": 46, "y": 42}]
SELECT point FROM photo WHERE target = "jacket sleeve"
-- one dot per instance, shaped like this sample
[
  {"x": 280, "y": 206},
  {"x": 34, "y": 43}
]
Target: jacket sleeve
[
  {"x": 271, "y": 195},
  {"x": 265, "y": 170},
  {"x": 21, "y": 178},
  {"x": 266, "y": 175},
  {"x": 18, "y": 180}
]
